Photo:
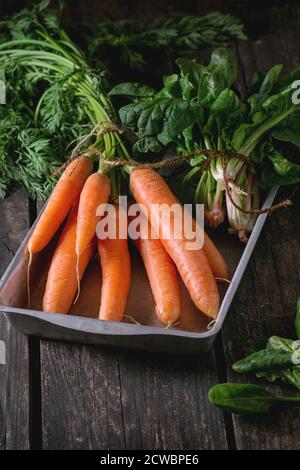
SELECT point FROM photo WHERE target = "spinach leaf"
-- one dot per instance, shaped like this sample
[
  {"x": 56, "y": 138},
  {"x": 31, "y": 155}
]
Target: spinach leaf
[
  {"x": 209, "y": 81},
  {"x": 265, "y": 359},
  {"x": 279, "y": 171},
  {"x": 290, "y": 376},
  {"x": 267, "y": 86},
  {"x": 271, "y": 80},
  {"x": 289, "y": 130},
  {"x": 280, "y": 344},
  {"x": 225, "y": 114},
  {"x": 132, "y": 90},
  {"x": 146, "y": 144},
  {"x": 223, "y": 62},
  {"x": 280, "y": 103},
  {"x": 161, "y": 119},
  {"x": 275, "y": 361},
  {"x": 243, "y": 131},
  {"x": 245, "y": 398}
]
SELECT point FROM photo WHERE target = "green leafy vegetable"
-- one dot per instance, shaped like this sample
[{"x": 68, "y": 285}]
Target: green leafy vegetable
[
  {"x": 246, "y": 398},
  {"x": 135, "y": 44},
  {"x": 279, "y": 171},
  {"x": 263, "y": 360},
  {"x": 53, "y": 99},
  {"x": 134, "y": 90},
  {"x": 209, "y": 114},
  {"x": 279, "y": 359},
  {"x": 159, "y": 119},
  {"x": 289, "y": 375},
  {"x": 32, "y": 149},
  {"x": 288, "y": 130}
]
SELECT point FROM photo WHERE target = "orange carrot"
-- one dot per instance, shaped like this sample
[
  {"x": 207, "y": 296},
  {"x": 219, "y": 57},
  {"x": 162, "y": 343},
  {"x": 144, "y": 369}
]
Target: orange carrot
[
  {"x": 116, "y": 274},
  {"x": 162, "y": 276},
  {"x": 148, "y": 188},
  {"x": 61, "y": 284},
  {"x": 96, "y": 191},
  {"x": 216, "y": 260},
  {"x": 63, "y": 197}
]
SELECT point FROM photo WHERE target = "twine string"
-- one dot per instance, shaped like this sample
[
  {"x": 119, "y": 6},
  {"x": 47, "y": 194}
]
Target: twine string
[
  {"x": 111, "y": 127},
  {"x": 285, "y": 203},
  {"x": 210, "y": 154}
]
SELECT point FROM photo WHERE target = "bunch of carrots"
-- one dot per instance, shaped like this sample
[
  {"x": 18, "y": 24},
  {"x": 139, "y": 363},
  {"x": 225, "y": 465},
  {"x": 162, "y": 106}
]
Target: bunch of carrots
[
  {"x": 80, "y": 191},
  {"x": 74, "y": 200}
]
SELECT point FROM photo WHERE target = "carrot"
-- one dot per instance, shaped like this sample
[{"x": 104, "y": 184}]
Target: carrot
[
  {"x": 63, "y": 197},
  {"x": 148, "y": 188},
  {"x": 216, "y": 260},
  {"x": 116, "y": 274},
  {"x": 162, "y": 277},
  {"x": 96, "y": 191},
  {"x": 62, "y": 280}
]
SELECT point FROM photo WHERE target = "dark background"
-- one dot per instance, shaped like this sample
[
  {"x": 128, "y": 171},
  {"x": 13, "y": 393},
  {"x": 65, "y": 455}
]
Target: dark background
[{"x": 261, "y": 17}]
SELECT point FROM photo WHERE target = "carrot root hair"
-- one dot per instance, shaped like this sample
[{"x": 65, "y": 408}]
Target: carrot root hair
[
  {"x": 78, "y": 280},
  {"x": 171, "y": 325},
  {"x": 132, "y": 319},
  {"x": 211, "y": 324},
  {"x": 28, "y": 278},
  {"x": 223, "y": 279}
]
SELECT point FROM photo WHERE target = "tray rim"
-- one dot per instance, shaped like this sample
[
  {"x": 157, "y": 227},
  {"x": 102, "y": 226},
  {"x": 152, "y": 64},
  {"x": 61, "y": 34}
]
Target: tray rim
[{"x": 111, "y": 328}]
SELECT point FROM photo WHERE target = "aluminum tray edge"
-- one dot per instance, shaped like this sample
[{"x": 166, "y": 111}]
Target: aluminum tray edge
[{"x": 93, "y": 331}]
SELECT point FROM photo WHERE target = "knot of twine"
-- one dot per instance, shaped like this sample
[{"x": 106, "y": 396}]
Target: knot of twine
[
  {"x": 211, "y": 154},
  {"x": 111, "y": 127}
]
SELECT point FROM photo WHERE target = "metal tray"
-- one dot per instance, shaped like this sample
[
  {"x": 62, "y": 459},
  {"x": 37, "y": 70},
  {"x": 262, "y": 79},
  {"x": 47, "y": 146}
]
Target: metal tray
[{"x": 191, "y": 335}]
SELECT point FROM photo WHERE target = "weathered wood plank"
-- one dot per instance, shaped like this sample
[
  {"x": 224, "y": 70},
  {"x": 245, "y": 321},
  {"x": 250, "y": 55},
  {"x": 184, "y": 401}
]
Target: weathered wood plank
[
  {"x": 81, "y": 398},
  {"x": 14, "y": 376},
  {"x": 265, "y": 303},
  {"x": 165, "y": 403},
  {"x": 96, "y": 398}
]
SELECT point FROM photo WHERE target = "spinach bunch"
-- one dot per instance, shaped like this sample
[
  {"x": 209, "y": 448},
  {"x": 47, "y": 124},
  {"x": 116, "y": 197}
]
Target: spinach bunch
[
  {"x": 278, "y": 359},
  {"x": 184, "y": 100},
  {"x": 199, "y": 107}
]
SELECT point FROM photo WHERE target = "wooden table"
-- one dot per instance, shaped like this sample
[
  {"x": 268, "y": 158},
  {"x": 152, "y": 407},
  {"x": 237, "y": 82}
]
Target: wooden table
[{"x": 67, "y": 396}]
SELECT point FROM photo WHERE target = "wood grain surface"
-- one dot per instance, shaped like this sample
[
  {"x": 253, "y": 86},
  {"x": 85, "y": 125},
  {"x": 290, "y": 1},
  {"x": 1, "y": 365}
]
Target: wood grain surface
[{"x": 65, "y": 396}]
